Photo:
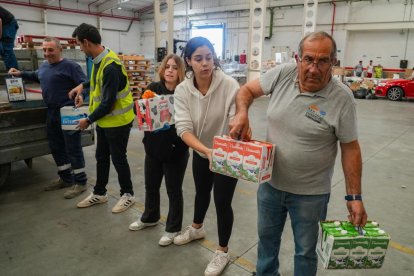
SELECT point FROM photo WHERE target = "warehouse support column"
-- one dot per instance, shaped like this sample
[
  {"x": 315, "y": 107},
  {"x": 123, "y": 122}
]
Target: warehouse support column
[
  {"x": 45, "y": 21},
  {"x": 164, "y": 30},
  {"x": 100, "y": 24},
  {"x": 256, "y": 37},
  {"x": 310, "y": 11}
]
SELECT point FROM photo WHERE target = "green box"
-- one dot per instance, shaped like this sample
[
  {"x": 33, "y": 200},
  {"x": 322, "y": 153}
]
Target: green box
[
  {"x": 379, "y": 241},
  {"x": 333, "y": 247}
]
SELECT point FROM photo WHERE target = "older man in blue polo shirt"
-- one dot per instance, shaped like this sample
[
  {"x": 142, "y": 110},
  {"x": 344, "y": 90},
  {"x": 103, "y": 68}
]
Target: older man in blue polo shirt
[{"x": 308, "y": 113}]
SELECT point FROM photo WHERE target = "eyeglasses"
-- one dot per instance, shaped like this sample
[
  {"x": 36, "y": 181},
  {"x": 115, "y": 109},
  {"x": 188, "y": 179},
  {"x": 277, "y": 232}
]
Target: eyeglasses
[{"x": 322, "y": 63}]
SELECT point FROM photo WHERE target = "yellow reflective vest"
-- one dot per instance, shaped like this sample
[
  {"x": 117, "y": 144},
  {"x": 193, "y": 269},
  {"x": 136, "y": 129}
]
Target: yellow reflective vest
[{"x": 122, "y": 112}]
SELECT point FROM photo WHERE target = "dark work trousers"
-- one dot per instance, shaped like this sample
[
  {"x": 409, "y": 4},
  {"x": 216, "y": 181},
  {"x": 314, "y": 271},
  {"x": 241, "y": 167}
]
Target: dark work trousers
[
  {"x": 224, "y": 187},
  {"x": 112, "y": 143},
  {"x": 7, "y": 44},
  {"x": 66, "y": 149},
  {"x": 173, "y": 171}
]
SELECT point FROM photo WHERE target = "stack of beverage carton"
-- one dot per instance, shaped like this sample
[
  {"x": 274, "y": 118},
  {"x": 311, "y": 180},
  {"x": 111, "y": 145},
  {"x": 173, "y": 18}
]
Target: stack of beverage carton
[
  {"x": 248, "y": 160},
  {"x": 70, "y": 116},
  {"x": 155, "y": 113},
  {"x": 341, "y": 246}
]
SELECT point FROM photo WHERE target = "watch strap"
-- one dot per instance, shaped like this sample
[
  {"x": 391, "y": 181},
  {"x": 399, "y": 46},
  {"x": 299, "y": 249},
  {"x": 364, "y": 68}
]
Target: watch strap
[{"x": 353, "y": 197}]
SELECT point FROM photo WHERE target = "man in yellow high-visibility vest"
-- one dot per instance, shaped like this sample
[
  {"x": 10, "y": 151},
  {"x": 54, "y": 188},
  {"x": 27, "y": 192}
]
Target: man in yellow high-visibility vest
[{"x": 111, "y": 108}]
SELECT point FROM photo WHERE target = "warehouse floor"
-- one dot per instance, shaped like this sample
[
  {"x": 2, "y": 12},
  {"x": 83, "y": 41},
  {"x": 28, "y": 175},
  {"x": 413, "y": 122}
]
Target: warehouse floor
[{"x": 44, "y": 234}]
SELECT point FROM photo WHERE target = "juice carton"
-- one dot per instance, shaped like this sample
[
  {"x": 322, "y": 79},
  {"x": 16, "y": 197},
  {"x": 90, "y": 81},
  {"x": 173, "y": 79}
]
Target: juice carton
[
  {"x": 70, "y": 116},
  {"x": 333, "y": 247},
  {"x": 257, "y": 161},
  {"x": 219, "y": 155},
  {"x": 155, "y": 113},
  {"x": 235, "y": 158},
  {"x": 379, "y": 241}
]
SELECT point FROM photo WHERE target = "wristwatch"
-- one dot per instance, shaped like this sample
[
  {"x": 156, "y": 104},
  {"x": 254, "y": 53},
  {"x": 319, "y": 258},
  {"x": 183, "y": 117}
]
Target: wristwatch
[{"x": 353, "y": 197}]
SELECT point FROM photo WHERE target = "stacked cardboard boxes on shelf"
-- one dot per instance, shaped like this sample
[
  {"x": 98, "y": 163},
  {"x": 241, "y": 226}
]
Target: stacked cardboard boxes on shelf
[{"x": 139, "y": 71}]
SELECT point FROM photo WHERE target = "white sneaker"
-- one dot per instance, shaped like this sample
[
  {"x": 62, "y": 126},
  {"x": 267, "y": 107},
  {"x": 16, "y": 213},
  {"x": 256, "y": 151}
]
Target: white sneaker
[
  {"x": 217, "y": 264},
  {"x": 189, "y": 234},
  {"x": 168, "y": 238},
  {"x": 126, "y": 201},
  {"x": 92, "y": 199},
  {"x": 138, "y": 225}
]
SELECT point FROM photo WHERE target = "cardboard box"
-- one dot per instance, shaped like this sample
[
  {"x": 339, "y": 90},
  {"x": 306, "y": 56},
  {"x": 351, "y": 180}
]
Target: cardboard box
[
  {"x": 70, "y": 116},
  {"x": 342, "y": 247},
  {"x": 251, "y": 161},
  {"x": 155, "y": 113}
]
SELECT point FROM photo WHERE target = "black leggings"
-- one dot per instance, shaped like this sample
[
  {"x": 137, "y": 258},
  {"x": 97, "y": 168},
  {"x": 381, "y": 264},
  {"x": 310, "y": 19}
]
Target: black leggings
[
  {"x": 224, "y": 187},
  {"x": 173, "y": 173}
]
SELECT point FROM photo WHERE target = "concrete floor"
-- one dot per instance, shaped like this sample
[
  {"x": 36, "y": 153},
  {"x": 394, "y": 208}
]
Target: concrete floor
[{"x": 44, "y": 234}]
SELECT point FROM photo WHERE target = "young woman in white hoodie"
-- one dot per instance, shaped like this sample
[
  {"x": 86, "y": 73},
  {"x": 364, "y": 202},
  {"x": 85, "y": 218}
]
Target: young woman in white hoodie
[{"x": 204, "y": 103}]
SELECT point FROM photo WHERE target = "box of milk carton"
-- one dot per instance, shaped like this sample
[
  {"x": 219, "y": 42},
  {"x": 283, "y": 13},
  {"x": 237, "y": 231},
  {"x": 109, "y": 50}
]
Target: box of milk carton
[
  {"x": 155, "y": 113},
  {"x": 378, "y": 246},
  {"x": 333, "y": 247},
  {"x": 235, "y": 158},
  {"x": 257, "y": 161},
  {"x": 248, "y": 160},
  {"x": 70, "y": 116},
  {"x": 219, "y": 154},
  {"x": 341, "y": 245}
]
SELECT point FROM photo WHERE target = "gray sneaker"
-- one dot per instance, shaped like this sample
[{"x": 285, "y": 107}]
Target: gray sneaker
[
  {"x": 74, "y": 191},
  {"x": 58, "y": 184}
]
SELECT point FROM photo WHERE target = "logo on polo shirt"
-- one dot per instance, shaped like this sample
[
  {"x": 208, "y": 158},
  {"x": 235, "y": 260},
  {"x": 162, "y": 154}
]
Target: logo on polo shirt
[{"x": 315, "y": 113}]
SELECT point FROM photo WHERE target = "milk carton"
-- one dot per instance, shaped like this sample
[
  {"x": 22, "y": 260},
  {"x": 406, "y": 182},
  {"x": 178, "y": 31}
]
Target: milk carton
[
  {"x": 70, "y": 116},
  {"x": 235, "y": 158},
  {"x": 359, "y": 246},
  {"x": 379, "y": 241},
  {"x": 248, "y": 160},
  {"x": 257, "y": 161},
  {"x": 333, "y": 247},
  {"x": 219, "y": 155},
  {"x": 155, "y": 113}
]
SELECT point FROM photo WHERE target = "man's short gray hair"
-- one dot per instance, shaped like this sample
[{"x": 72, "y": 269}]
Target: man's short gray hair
[
  {"x": 53, "y": 39},
  {"x": 318, "y": 35}
]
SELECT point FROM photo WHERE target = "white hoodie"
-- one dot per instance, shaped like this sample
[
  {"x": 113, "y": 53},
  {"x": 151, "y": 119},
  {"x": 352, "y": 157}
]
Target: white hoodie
[{"x": 209, "y": 115}]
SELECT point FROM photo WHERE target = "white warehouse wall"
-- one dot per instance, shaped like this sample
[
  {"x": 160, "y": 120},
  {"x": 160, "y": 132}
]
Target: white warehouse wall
[
  {"x": 118, "y": 34},
  {"x": 377, "y": 29}
]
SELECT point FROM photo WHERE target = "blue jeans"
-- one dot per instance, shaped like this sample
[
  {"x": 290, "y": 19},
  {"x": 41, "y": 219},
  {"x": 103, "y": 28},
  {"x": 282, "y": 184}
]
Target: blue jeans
[
  {"x": 66, "y": 149},
  {"x": 7, "y": 44},
  {"x": 305, "y": 211}
]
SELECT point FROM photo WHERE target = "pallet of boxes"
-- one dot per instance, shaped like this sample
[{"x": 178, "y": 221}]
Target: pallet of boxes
[
  {"x": 343, "y": 246},
  {"x": 138, "y": 69}
]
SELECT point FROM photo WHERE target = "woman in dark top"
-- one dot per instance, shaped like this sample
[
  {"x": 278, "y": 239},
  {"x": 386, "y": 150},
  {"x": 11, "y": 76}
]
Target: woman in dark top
[{"x": 166, "y": 155}]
